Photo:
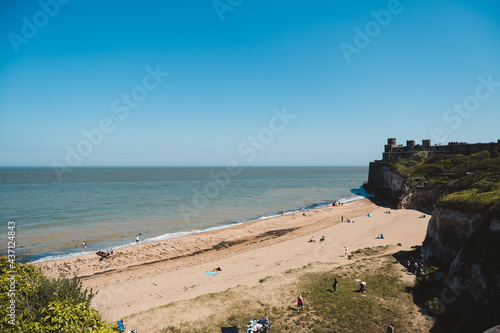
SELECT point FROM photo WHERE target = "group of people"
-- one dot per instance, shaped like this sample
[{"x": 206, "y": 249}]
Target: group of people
[
  {"x": 415, "y": 266},
  {"x": 313, "y": 240},
  {"x": 380, "y": 236}
]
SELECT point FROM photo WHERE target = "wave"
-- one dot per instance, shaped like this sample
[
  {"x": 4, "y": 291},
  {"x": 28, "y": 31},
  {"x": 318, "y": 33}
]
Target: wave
[{"x": 359, "y": 193}]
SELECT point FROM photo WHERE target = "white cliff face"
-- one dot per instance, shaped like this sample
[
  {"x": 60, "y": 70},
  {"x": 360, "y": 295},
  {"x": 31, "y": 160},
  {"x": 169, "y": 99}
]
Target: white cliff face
[
  {"x": 463, "y": 239},
  {"x": 393, "y": 187},
  {"x": 447, "y": 232},
  {"x": 466, "y": 242},
  {"x": 393, "y": 181}
]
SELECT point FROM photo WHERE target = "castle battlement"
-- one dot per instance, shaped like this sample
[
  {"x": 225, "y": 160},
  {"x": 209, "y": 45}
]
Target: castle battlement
[{"x": 393, "y": 151}]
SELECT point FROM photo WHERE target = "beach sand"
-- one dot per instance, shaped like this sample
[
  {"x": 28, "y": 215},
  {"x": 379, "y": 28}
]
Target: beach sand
[{"x": 145, "y": 276}]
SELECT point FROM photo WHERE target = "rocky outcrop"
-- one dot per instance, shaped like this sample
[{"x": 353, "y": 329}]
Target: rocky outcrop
[
  {"x": 385, "y": 183},
  {"x": 462, "y": 240},
  {"x": 447, "y": 232},
  {"x": 471, "y": 243},
  {"x": 388, "y": 184},
  {"x": 423, "y": 199}
]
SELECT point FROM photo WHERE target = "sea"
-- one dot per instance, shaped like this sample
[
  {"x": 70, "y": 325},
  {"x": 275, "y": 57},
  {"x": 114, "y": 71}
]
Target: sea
[{"x": 110, "y": 207}]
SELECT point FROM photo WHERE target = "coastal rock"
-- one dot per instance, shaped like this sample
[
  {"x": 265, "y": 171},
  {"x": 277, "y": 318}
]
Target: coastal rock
[
  {"x": 387, "y": 183},
  {"x": 447, "y": 232},
  {"x": 471, "y": 242}
]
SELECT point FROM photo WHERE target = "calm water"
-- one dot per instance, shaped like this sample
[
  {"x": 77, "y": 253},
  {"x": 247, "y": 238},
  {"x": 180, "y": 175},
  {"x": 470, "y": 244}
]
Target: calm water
[{"x": 109, "y": 207}]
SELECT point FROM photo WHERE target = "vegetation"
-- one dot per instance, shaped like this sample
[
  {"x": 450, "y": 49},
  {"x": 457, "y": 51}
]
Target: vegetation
[
  {"x": 468, "y": 183},
  {"x": 44, "y": 305}
]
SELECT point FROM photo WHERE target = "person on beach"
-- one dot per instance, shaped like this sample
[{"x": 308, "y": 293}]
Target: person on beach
[
  {"x": 346, "y": 251},
  {"x": 342, "y": 219},
  {"x": 300, "y": 302},
  {"x": 335, "y": 284},
  {"x": 362, "y": 287},
  {"x": 390, "y": 328},
  {"x": 137, "y": 240},
  {"x": 84, "y": 245}
]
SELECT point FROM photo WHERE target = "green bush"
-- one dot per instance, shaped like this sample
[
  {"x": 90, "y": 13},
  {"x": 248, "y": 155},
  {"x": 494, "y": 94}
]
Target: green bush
[{"x": 44, "y": 305}]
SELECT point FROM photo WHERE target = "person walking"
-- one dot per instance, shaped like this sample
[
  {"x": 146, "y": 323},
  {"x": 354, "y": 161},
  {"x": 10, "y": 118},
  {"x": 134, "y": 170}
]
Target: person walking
[
  {"x": 137, "y": 240},
  {"x": 300, "y": 302},
  {"x": 346, "y": 251},
  {"x": 390, "y": 328},
  {"x": 335, "y": 284}
]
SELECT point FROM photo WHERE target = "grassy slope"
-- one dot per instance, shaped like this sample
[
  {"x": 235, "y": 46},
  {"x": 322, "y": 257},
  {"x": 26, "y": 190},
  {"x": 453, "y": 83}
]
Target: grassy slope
[{"x": 470, "y": 183}]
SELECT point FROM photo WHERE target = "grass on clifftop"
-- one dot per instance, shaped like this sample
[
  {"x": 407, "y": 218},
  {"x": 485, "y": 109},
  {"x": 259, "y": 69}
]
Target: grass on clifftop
[{"x": 469, "y": 183}]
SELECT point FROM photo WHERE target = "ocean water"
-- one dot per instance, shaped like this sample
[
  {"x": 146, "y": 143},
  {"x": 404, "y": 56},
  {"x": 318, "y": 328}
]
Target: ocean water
[{"x": 109, "y": 207}]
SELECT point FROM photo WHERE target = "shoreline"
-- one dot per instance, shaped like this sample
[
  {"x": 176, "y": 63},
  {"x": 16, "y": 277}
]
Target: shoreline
[
  {"x": 359, "y": 195},
  {"x": 145, "y": 276},
  {"x": 183, "y": 246}
]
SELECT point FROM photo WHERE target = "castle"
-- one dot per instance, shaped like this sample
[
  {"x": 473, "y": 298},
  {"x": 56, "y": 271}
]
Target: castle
[{"x": 392, "y": 151}]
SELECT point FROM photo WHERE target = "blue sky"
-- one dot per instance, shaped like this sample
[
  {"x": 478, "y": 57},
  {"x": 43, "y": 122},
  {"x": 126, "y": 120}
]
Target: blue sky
[{"x": 207, "y": 83}]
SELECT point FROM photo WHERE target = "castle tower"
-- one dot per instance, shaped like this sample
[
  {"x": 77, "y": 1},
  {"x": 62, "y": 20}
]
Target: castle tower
[
  {"x": 426, "y": 145},
  {"x": 390, "y": 144},
  {"x": 410, "y": 145}
]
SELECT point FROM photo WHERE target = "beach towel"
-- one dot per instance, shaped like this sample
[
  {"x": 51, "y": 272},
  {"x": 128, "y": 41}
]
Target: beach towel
[{"x": 212, "y": 273}]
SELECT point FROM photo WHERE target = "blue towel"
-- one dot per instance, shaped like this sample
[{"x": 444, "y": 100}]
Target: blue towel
[{"x": 212, "y": 273}]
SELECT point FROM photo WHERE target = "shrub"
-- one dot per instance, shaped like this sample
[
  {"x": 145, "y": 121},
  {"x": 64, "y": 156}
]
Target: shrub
[{"x": 46, "y": 305}]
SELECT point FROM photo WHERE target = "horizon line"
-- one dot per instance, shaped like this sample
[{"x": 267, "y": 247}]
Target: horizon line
[{"x": 178, "y": 166}]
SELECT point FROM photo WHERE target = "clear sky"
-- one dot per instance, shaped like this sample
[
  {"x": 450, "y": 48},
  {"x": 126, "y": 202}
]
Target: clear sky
[{"x": 206, "y": 83}]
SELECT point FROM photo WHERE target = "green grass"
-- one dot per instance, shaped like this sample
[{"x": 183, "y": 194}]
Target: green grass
[
  {"x": 470, "y": 200},
  {"x": 350, "y": 311},
  {"x": 468, "y": 183},
  {"x": 369, "y": 251}
]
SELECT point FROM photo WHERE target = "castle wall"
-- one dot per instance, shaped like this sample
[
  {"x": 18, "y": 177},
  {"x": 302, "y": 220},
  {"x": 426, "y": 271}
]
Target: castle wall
[{"x": 393, "y": 151}]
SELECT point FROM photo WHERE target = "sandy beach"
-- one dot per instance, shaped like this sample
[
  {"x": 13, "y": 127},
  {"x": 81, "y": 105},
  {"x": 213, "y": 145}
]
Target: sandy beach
[{"x": 145, "y": 276}]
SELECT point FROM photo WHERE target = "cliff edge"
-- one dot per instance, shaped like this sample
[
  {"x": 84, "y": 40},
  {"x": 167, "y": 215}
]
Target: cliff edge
[{"x": 463, "y": 194}]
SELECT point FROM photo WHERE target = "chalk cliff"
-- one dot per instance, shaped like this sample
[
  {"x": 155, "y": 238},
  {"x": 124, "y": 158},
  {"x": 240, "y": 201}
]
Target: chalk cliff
[
  {"x": 463, "y": 241},
  {"x": 469, "y": 244},
  {"x": 387, "y": 183}
]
